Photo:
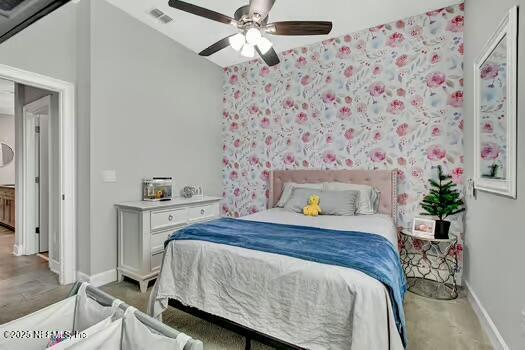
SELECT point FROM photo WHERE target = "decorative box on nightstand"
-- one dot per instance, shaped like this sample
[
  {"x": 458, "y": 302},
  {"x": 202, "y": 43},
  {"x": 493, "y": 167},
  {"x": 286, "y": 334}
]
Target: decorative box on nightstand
[{"x": 143, "y": 227}]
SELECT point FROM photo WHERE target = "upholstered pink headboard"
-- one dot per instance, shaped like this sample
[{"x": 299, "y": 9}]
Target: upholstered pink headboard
[{"x": 384, "y": 181}]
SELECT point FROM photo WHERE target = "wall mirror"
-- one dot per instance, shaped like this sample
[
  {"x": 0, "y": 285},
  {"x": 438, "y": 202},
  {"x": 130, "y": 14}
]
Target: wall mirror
[
  {"x": 495, "y": 110},
  {"x": 6, "y": 154}
]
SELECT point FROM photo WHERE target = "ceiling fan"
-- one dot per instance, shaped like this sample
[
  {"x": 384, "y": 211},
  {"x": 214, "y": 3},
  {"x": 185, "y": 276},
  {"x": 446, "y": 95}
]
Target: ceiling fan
[{"x": 252, "y": 22}]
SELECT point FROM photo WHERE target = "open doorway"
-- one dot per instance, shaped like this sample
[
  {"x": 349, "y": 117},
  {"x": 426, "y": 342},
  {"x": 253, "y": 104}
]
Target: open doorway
[
  {"x": 28, "y": 126},
  {"x": 40, "y": 162},
  {"x": 44, "y": 170}
]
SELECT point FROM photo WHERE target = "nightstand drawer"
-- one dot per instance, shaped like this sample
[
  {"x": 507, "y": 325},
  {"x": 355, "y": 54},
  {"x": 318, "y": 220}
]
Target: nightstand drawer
[
  {"x": 156, "y": 260},
  {"x": 203, "y": 212},
  {"x": 164, "y": 219},
  {"x": 158, "y": 239}
]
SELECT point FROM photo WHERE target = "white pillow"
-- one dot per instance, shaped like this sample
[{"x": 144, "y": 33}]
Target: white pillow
[
  {"x": 289, "y": 187},
  {"x": 368, "y": 196}
]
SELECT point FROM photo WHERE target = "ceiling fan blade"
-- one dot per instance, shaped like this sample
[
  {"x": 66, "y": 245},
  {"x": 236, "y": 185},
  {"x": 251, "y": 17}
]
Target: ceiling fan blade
[
  {"x": 269, "y": 57},
  {"x": 219, "y": 45},
  {"x": 201, "y": 11},
  {"x": 299, "y": 28},
  {"x": 261, "y": 7}
]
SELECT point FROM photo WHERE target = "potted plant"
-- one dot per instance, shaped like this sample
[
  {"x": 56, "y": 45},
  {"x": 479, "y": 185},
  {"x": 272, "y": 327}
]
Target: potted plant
[{"x": 442, "y": 201}]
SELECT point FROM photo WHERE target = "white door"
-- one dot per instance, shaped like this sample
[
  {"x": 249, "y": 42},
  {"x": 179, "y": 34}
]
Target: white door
[
  {"x": 43, "y": 182},
  {"x": 36, "y": 175},
  {"x": 31, "y": 195},
  {"x": 36, "y": 159}
]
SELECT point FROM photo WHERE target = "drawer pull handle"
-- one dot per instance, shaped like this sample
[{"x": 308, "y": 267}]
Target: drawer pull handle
[
  {"x": 170, "y": 218},
  {"x": 203, "y": 211}
]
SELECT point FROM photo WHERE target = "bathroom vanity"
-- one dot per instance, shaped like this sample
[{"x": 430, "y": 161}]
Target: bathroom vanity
[{"x": 7, "y": 206}]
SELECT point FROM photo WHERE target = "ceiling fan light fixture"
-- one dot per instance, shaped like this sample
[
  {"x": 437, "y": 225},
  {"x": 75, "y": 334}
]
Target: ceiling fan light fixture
[
  {"x": 253, "y": 35},
  {"x": 264, "y": 45},
  {"x": 252, "y": 22},
  {"x": 237, "y": 41},
  {"x": 248, "y": 51}
]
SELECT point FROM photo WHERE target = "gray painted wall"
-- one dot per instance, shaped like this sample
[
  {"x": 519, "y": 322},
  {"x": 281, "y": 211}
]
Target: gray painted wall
[
  {"x": 83, "y": 87},
  {"x": 495, "y": 237},
  {"x": 47, "y": 47},
  {"x": 7, "y": 136},
  {"x": 156, "y": 111}
]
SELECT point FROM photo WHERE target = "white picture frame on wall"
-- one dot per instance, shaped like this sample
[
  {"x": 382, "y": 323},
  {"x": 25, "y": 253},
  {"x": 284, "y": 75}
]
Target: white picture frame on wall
[{"x": 503, "y": 185}]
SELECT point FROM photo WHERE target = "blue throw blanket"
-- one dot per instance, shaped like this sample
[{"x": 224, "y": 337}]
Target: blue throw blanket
[{"x": 369, "y": 253}]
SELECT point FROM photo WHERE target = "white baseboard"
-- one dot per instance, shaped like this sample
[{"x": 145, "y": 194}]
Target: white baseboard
[
  {"x": 98, "y": 279},
  {"x": 486, "y": 322},
  {"x": 18, "y": 250},
  {"x": 54, "y": 266}
]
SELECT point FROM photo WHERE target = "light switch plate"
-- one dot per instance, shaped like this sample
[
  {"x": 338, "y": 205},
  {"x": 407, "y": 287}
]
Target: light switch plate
[{"x": 109, "y": 175}]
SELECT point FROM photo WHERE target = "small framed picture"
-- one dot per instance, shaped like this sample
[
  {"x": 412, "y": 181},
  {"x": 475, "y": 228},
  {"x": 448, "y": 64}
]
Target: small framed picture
[
  {"x": 424, "y": 227},
  {"x": 192, "y": 191}
]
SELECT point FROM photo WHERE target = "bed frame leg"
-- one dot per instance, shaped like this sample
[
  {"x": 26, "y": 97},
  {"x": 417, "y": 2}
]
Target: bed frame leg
[{"x": 248, "y": 345}]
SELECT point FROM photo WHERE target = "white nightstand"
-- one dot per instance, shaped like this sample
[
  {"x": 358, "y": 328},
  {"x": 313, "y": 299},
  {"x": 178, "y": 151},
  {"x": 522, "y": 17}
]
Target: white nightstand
[{"x": 143, "y": 227}]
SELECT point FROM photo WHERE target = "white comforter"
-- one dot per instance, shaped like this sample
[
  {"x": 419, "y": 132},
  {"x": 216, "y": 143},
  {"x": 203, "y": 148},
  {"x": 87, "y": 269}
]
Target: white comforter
[{"x": 312, "y": 305}]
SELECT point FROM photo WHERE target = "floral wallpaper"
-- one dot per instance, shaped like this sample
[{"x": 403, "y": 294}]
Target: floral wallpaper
[{"x": 381, "y": 98}]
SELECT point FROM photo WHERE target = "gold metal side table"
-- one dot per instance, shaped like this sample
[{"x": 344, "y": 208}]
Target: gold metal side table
[{"x": 430, "y": 264}]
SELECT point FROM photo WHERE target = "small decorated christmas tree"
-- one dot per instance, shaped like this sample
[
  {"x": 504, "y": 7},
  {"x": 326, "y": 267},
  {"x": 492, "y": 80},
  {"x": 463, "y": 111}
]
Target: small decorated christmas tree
[{"x": 443, "y": 201}]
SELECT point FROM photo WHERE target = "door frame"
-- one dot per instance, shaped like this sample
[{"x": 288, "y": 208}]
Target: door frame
[
  {"x": 67, "y": 169},
  {"x": 30, "y": 243}
]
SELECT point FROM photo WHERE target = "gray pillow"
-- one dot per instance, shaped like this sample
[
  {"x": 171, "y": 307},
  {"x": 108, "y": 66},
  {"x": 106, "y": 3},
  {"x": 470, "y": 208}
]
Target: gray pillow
[
  {"x": 368, "y": 201},
  {"x": 299, "y": 199},
  {"x": 290, "y": 186},
  {"x": 342, "y": 203}
]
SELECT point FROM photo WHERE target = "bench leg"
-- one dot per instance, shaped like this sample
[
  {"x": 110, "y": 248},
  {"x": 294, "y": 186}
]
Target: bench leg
[{"x": 248, "y": 345}]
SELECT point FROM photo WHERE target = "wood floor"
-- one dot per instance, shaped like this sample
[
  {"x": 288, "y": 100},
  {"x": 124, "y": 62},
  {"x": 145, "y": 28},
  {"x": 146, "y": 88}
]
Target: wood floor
[{"x": 22, "y": 278}]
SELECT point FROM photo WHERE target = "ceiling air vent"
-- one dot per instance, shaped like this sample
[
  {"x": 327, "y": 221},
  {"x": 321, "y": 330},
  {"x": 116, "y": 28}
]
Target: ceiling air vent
[
  {"x": 165, "y": 19},
  {"x": 156, "y": 13}
]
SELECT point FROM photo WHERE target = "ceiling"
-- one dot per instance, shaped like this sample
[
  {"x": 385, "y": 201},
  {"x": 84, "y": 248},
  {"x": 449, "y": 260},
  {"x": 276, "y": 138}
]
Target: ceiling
[
  {"x": 7, "y": 97},
  {"x": 348, "y": 16}
]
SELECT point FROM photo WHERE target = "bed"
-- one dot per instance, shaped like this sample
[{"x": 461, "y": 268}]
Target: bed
[{"x": 281, "y": 300}]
